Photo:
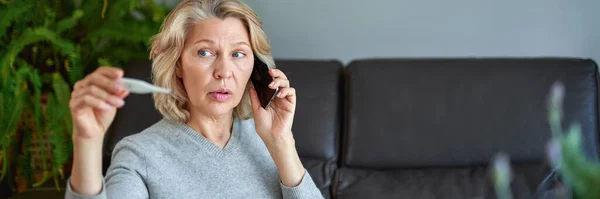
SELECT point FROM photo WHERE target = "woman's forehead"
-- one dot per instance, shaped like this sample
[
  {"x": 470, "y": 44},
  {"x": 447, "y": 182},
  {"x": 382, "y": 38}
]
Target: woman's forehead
[{"x": 214, "y": 30}]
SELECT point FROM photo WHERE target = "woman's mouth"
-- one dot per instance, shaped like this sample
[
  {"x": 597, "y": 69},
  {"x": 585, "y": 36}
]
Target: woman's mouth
[{"x": 220, "y": 95}]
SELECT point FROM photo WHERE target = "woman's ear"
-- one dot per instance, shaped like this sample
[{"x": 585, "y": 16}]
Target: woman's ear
[{"x": 178, "y": 69}]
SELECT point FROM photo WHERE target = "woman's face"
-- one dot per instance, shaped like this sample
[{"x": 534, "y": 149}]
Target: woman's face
[{"x": 215, "y": 65}]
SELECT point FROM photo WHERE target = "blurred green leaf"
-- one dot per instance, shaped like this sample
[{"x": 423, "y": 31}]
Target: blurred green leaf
[
  {"x": 104, "y": 62},
  {"x": 68, "y": 23},
  {"x": 13, "y": 11},
  {"x": 13, "y": 106},
  {"x": 578, "y": 171}
]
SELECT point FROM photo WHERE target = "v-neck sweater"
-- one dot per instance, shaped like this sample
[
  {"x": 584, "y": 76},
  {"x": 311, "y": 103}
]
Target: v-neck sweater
[{"x": 171, "y": 160}]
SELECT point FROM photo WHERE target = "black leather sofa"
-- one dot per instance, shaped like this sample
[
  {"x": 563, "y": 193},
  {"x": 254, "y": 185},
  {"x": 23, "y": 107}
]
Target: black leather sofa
[
  {"x": 427, "y": 128},
  {"x": 417, "y": 128}
]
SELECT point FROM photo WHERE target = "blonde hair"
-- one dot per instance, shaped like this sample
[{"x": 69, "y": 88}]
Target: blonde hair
[{"x": 168, "y": 44}]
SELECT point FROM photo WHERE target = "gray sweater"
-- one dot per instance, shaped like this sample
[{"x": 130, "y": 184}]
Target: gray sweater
[{"x": 171, "y": 160}]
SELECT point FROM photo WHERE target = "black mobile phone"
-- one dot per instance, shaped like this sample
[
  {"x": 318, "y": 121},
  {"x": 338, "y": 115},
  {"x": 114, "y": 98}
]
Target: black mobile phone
[{"x": 261, "y": 79}]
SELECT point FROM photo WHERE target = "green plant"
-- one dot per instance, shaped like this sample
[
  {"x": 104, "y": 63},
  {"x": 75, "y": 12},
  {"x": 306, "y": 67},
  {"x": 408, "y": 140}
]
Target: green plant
[
  {"x": 45, "y": 47},
  {"x": 580, "y": 176},
  {"x": 566, "y": 151}
]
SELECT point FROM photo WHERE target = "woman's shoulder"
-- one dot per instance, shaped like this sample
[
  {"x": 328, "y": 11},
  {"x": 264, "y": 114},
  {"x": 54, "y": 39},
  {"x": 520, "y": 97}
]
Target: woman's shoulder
[
  {"x": 161, "y": 131},
  {"x": 247, "y": 123},
  {"x": 245, "y": 126}
]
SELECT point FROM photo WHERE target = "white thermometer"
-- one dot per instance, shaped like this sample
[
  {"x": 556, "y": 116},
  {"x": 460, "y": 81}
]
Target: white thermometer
[{"x": 142, "y": 87}]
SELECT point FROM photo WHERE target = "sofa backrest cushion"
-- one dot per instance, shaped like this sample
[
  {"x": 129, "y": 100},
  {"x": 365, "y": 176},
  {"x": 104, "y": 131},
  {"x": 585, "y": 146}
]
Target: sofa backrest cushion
[
  {"x": 317, "y": 122},
  {"x": 456, "y": 112}
]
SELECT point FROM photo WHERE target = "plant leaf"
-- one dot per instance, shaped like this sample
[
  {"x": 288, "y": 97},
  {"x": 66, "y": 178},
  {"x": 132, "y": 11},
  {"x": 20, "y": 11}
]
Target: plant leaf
[
  {"x": 57, "y": 135},
  {"x": 31, "y": 36},
  {"x": 63, "y": 94},
  {"x": 13, "y": 11},
  {"x": 104, "y": 62},
  {"x": 583, "y": 174},
  {"x": 13, "y": 107},
  {"x": 76, "y": 68},
  {"x": 68, "y": 23}
]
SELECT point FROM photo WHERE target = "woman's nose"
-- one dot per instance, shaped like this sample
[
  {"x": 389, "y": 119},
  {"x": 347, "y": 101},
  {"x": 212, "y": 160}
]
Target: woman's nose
[{"x": 223, "y": 68}]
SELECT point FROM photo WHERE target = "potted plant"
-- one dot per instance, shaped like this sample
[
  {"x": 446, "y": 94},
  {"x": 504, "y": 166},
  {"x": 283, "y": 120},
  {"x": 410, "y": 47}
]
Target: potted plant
[{"x": 45, "y": 47}]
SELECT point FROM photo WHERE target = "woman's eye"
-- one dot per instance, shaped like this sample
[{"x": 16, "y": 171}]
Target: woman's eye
[
  {"x": 239, "y": 55},
  {"x": 204, "y": 53}
]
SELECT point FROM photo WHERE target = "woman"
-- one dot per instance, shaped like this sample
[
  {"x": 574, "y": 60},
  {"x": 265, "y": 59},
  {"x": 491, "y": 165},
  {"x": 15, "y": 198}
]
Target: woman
[{"x": 215, "y": 140}]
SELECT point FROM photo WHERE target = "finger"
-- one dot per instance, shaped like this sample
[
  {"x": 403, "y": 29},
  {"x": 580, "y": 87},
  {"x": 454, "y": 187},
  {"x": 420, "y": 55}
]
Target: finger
[
  {"x": 279, "y": 82},
  {"x": 276, "y": 73},
  {"x": 254, "y": 102},
  {"x": 77, "y": 92},
  {"x": 88, "y": 101},
  {"x": 79, "y": 84},
  {"x": 106, "y": 83},
  {"x": 285, "y": 92},
  {"x": 111, "y": 72},
  {"x": 289, "y": 93},
  {"x": 114, "y": 100},
  {"x": 101, "y": 94},
  {"x": 123, "y": 94}
]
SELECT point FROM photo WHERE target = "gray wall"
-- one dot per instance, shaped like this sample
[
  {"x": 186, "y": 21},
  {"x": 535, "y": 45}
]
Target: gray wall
[{"x": 353, "y": 29}]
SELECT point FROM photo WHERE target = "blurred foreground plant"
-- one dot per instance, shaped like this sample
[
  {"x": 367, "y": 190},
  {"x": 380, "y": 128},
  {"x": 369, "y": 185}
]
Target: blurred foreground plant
[
  {"x": 566, "y": 153},
  {"x": 501, "y": 176}
]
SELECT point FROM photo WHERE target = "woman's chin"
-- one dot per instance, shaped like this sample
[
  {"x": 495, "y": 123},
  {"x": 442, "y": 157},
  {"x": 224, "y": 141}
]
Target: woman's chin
[
  {"x": 220, "y": 109},
  {"x": 213, "y": 108}
]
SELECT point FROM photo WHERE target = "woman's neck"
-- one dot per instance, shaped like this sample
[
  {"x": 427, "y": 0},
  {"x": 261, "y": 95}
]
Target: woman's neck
[{"x": 217, "y": 129}]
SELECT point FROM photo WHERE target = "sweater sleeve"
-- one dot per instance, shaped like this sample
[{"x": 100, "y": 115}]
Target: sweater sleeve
[
  {"x": 306, "y": 189},
  {"x": 125, "y": 176}
]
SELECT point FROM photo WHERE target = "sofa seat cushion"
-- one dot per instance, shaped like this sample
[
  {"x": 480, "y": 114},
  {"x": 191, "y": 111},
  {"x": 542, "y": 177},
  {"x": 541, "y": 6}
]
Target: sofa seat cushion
[
  {"x": 460, "y": 183},
  {"x": 321, "y": 172}
]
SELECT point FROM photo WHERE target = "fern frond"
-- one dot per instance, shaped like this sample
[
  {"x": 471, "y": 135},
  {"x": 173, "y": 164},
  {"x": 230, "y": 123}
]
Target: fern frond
[
  {"x": 4, "y": 162},
  {"x": 68, "y": 23},
  {"x": 31, "y": 36},
  {"x": 76, "y": 68},
  {"x": 57, "y": 135},
  {"x": 3, "y": 109},
  {"x": 43, "y": 180},
  {"x": 13, "y": 107},
  {"x": 33, "y": 77},
  {"x": 61, "y": 89},
  {"x": 13, "y": 11},
  {"x": 33, "y": 109},
  {"x": 49, "y": 18},
  {"x": 27, "y": 169},
  {"x": 62, "y": 92},
  {"x": 104, "y": 62}
]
